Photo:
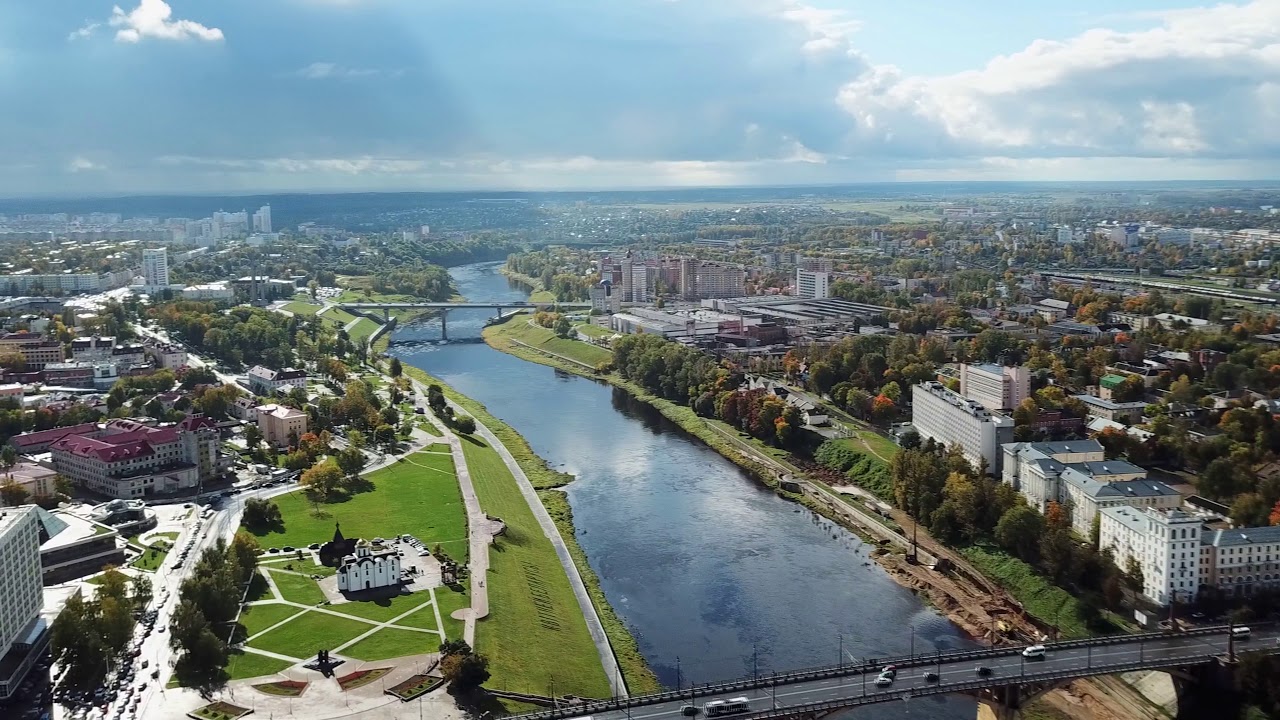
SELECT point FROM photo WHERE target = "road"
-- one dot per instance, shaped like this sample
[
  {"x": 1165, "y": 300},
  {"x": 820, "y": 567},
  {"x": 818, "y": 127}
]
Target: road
[{"x": 857, "y": 688}]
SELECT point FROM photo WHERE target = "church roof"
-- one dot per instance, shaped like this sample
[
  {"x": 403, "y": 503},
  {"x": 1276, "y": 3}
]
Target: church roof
[{"x": 337, "y": 533}]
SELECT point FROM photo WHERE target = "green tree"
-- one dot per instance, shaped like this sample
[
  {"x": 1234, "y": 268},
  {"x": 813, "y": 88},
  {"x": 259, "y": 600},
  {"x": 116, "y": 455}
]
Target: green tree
[
  {"x": 351, "y": 461},
  {"x": 356, "y": 439},
  {"x": 324, "y": 479},
  {"x": 252, "y": 436},
  {"x": 465, "y": 424},
  {"x": 11, "y": 493},
  {"x": 396, "y": 369},
  {"x": 563, "y": 327},
  {"x": 1248, "y": 510},
  {"x": 142, "y": 592},
  {"x": 1019, "y": 531},
  {"x": 260, "y": 513},
  {"x": 245, "y": 548}
]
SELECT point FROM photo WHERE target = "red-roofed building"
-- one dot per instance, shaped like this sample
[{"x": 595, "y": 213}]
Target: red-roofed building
[
  {"x": 131, "y": 460},
  {"x": 33, "y": 443}
]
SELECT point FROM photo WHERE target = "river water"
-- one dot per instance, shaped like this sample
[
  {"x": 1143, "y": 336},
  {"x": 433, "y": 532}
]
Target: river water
[{"x": 716, "y": 576}]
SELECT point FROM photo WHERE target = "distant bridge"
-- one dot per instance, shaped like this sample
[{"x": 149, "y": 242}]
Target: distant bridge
[
  {"x": 1013, "y": 680},
  {"x": 445, "y": 307}
]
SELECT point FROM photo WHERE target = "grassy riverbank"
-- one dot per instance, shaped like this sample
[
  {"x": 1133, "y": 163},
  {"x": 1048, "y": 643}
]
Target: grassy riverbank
[
  {"x": 635, "y": 671},
  {"x": 538, "y": 293}
]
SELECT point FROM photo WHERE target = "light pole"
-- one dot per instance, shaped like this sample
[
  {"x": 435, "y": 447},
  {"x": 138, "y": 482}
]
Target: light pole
[
  {"x": 840, "y": 656},
  {"x": 913, "y": 641},
  {"x": 755, "y": 666}
]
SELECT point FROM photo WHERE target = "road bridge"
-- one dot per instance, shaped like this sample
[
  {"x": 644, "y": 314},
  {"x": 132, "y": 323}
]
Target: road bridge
[
  {"x": 445, "y": 307},
  {"x": 1013, "y": 679}
]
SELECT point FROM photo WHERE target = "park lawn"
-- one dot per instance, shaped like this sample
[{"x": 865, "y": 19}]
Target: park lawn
[
  {"x": 384, "y": 609},
  {"x": 243, "y": 665},
  {"x": 449, "y": 601},
  {"x": 418, "y": 495},
  {"x": 364, "y": 327},
  {"x": 257, "y": 618},
  {"x": 393, "y": 642},
  {"x": 297, "y": 588},
  {"x": 535, "y": 628},
  {"x": 594, "y": 330},
  {"x": 304, "y": 309},
  {"x": 883, "y": 446},
  {"x": 304, "y": 636},
  {"x": 519, "y": 328},
  {"x": 424, "y": 618},
  {"x": 153, "y": 556}
]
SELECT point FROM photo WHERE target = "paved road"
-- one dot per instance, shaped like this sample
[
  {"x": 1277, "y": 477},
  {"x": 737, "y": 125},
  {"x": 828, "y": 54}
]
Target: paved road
[{"x": 860, "y": 688}]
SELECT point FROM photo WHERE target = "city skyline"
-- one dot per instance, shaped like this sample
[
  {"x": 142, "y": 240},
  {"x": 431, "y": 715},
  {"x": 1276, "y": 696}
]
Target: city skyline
[{"x": 374, "y": 95}]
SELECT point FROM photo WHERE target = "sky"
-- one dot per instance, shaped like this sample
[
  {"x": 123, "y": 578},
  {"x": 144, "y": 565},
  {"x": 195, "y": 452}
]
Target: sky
[{"x": 189, "y": 96}]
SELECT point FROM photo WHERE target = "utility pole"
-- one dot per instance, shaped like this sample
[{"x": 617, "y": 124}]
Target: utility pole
[
  {"x": 678, "y": 675},
  {"x": 840, "y": 656},
  {"x": 913, "y": 641},
  {"x": 755, "y": 666}
]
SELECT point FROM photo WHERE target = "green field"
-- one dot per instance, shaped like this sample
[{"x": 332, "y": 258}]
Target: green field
[
  {"x": 297, "y": 588},
  {"x": 535, "y": 635},
  {"x": 418, "y": 495},
  {"x": 594, "y": 330},
  {"x": 393, "y": 642},
  {"x": 305, "y": 309},
  {"x": 519, "y": 328},
  {"x": 384, "y": 609},
  {"x": 364, "y": 328},
  {"x": 243, "y": 665},
  {"x": 338, "y": 317},
  {"x": 302, "y": 637},
  {"x": 257, "y": 618},
  {"x": 424, "y": 618},
  {"x": 449, "y": 601}
]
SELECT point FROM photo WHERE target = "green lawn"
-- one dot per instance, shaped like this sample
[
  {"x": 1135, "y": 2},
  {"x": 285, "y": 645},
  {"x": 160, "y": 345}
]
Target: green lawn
[
  {"x": 364, "y": 328},
  {"x": 257, "y": 618},
  {"x": 418, "y": 495},
  {"x": 297, "y": 588},
  {"x": 519, "y": 328},
  {"x": 338, "y": 317},
  {"x": 304, "y": 309},
  {"x": 534, "y": 628},
  {"x": 594, "y": 330},
  {"x": 304, "y": 636},
  {"x": 449, "y": 601},
  {"x": 393, "y": 642},
  {"x": 424, "y": 618},
  {"x": 152, "y": 556},
  {"x": 383, "y": 610},
  {"x": 248, "y": 665}
]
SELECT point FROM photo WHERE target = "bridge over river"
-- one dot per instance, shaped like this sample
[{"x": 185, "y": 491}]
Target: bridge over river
[
  {"x": 1013, "y": 679},
  {"x": 445, "y": 307}
]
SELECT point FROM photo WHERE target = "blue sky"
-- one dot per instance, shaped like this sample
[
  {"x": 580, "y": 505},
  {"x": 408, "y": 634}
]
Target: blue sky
[{"x": 263, "y": 95}]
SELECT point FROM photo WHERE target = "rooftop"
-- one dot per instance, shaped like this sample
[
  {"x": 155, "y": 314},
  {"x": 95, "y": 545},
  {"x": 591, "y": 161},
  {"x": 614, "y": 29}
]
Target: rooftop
[
  {"x": 1096, "y": 401},
  {"x": 1242, "y": 536}
]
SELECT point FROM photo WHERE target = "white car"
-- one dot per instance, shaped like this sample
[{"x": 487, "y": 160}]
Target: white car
[{"x": 883, "y": 681}]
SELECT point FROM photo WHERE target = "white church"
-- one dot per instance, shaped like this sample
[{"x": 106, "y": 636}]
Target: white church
[{"x": 368, "y": 569}]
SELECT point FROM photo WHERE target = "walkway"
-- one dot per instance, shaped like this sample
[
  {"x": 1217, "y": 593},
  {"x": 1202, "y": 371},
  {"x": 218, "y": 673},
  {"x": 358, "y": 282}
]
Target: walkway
[
  {"x": 478, "y": 531},
  {"x": 594, "y": 626}
]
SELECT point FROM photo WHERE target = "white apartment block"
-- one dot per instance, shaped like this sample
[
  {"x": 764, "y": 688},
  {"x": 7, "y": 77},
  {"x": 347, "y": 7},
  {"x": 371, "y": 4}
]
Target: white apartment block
[
  {"x": 995, "y": 387},
  {"x": 169, "y": 357},
  {"x": 218, "y": 291},
  {"x": 262, "y": 220},
  {"x": 811, "y": 285},
  {"x": 265, "y": 381},
  {"x": 1166, "y": 544},
  {"x": 155, "y": 267},
  {"x": 717, "y": 280},
  {"x": 950, "y": 419},
  {"x": 21, "y": 592},
  {"x": 1085, "y": 494},
  {"x": 1241, "y": 561}
]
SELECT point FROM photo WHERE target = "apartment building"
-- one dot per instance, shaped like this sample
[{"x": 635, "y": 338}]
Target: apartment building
[
  {"x": 811, "y": 285},
  {"x": 1166, "y": 543},
  {"x": 280, "y": 425},
  {"x": 1035, "y": 468},
  {"x": 265, "y": 381},
  {"x": 155, "y": 268},
  {"x": 23, "y": 636},
  {"x": 127, "y": 459},
  {"x": 951, "y": 419},
  {"x": 37, "y": 480},
  {"x": 168, "y": 357},
  {"x": 1241, "y": 561},
  {"x": 995, "y": 387},
  {"x": 1085, "y": 494},
  {"x": 36, "y": 352}
]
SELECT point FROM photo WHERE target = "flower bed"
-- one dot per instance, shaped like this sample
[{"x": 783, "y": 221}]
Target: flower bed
[
  {"x": 283, "y": 688},
  {"x": 360, "y": 678},
  {"x": 219, "y": 711},
  {"x": 415, "y": 686}
]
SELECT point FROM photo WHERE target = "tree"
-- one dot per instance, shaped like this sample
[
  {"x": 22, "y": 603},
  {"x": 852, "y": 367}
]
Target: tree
[
  {"x": 142, "y": 592},
  {"x": 1019, "y": 531},
  {"x": 1274, "y": 517},
  {"x": 252, "y": 436},
  {"x": 260, "y": 513},
  {"x": 351, "y": 461},
  {"x": 1056, "y": 517},
  {"x": 465, "y": 670},
  {"x": 245, "y": 548},
  {"x": 356, "y": 439},
  {"x": 465, "y": 424},
  {"x": 1056, "y": 553},
  {"x": 1219, "y": 479},
  {"x": 396, "y": 369},
  {"x": 11, "y": 493},
  {"x": 1133, "y": 574},
  {"x": 1250, "y": 510},
  {"x": 8, "y": 458},
  {"x": 563, "y": 327},
  {"x": 324, "y": 479},
  {"x": 76, "y": 646}
]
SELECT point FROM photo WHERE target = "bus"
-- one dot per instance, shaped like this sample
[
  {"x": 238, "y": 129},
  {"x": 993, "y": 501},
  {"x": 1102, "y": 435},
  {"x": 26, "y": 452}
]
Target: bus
[{"x": 732, "y": 706}]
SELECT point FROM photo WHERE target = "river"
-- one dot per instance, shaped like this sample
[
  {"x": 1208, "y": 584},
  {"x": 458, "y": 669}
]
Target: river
[{"x": 716, "y": 576}]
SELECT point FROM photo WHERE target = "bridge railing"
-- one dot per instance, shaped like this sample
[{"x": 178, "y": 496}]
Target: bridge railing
[{"x": 829, "y": 671}]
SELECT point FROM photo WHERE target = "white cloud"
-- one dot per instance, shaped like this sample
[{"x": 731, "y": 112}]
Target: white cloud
[
  {"x": 80, "y": 164},
  {"x": 84, "y": 32},
  {"x": 153, "y": 19},
  {"x": 829, "y": 30},
  {"x": 1197, "y": 82},
  {"x": 328, "y": 70}
]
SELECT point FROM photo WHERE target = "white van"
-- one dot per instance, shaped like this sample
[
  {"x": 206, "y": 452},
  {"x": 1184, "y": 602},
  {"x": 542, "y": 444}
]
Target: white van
[
  {"x": 1033, "y": 651},
  {"x": 1240, "y": 633}
]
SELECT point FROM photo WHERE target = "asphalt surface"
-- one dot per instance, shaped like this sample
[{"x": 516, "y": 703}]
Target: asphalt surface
[{"x": 1005, "y": 669}]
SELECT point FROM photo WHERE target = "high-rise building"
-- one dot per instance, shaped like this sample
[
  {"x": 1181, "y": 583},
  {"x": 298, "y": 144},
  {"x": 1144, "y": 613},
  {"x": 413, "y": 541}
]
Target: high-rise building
[
  {"x": 22, "y": 633},
  {"x": 811, "y": 285},
  {"x": 1166, "y": 544},
  {"x": 155, "y": 267},
  {"x": 950, "y": 419},
  {"x": 262, "y": 220},
  {"x": 995, "y": 387}
]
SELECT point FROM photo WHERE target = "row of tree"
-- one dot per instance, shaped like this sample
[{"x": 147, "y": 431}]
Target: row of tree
[
  {"x": 208, "y": 602},
  {"x": 89, "y": 636}
]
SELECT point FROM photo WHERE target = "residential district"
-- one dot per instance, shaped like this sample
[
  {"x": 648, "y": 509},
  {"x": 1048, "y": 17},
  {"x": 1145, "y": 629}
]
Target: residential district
[{"x": 221, "y": 495}]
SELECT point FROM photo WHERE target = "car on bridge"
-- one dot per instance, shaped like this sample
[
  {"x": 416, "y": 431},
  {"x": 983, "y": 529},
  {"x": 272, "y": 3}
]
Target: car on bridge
[
  {"x": 983, "y": 671},
  {"x": 883, "y": 681},
  {"x": 1034, "y": 652}
]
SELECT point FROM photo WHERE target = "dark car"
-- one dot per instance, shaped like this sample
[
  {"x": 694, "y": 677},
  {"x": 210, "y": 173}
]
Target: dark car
[
  {"x": 931, "y": 676},
  {"x": 983, "y": 671}
]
